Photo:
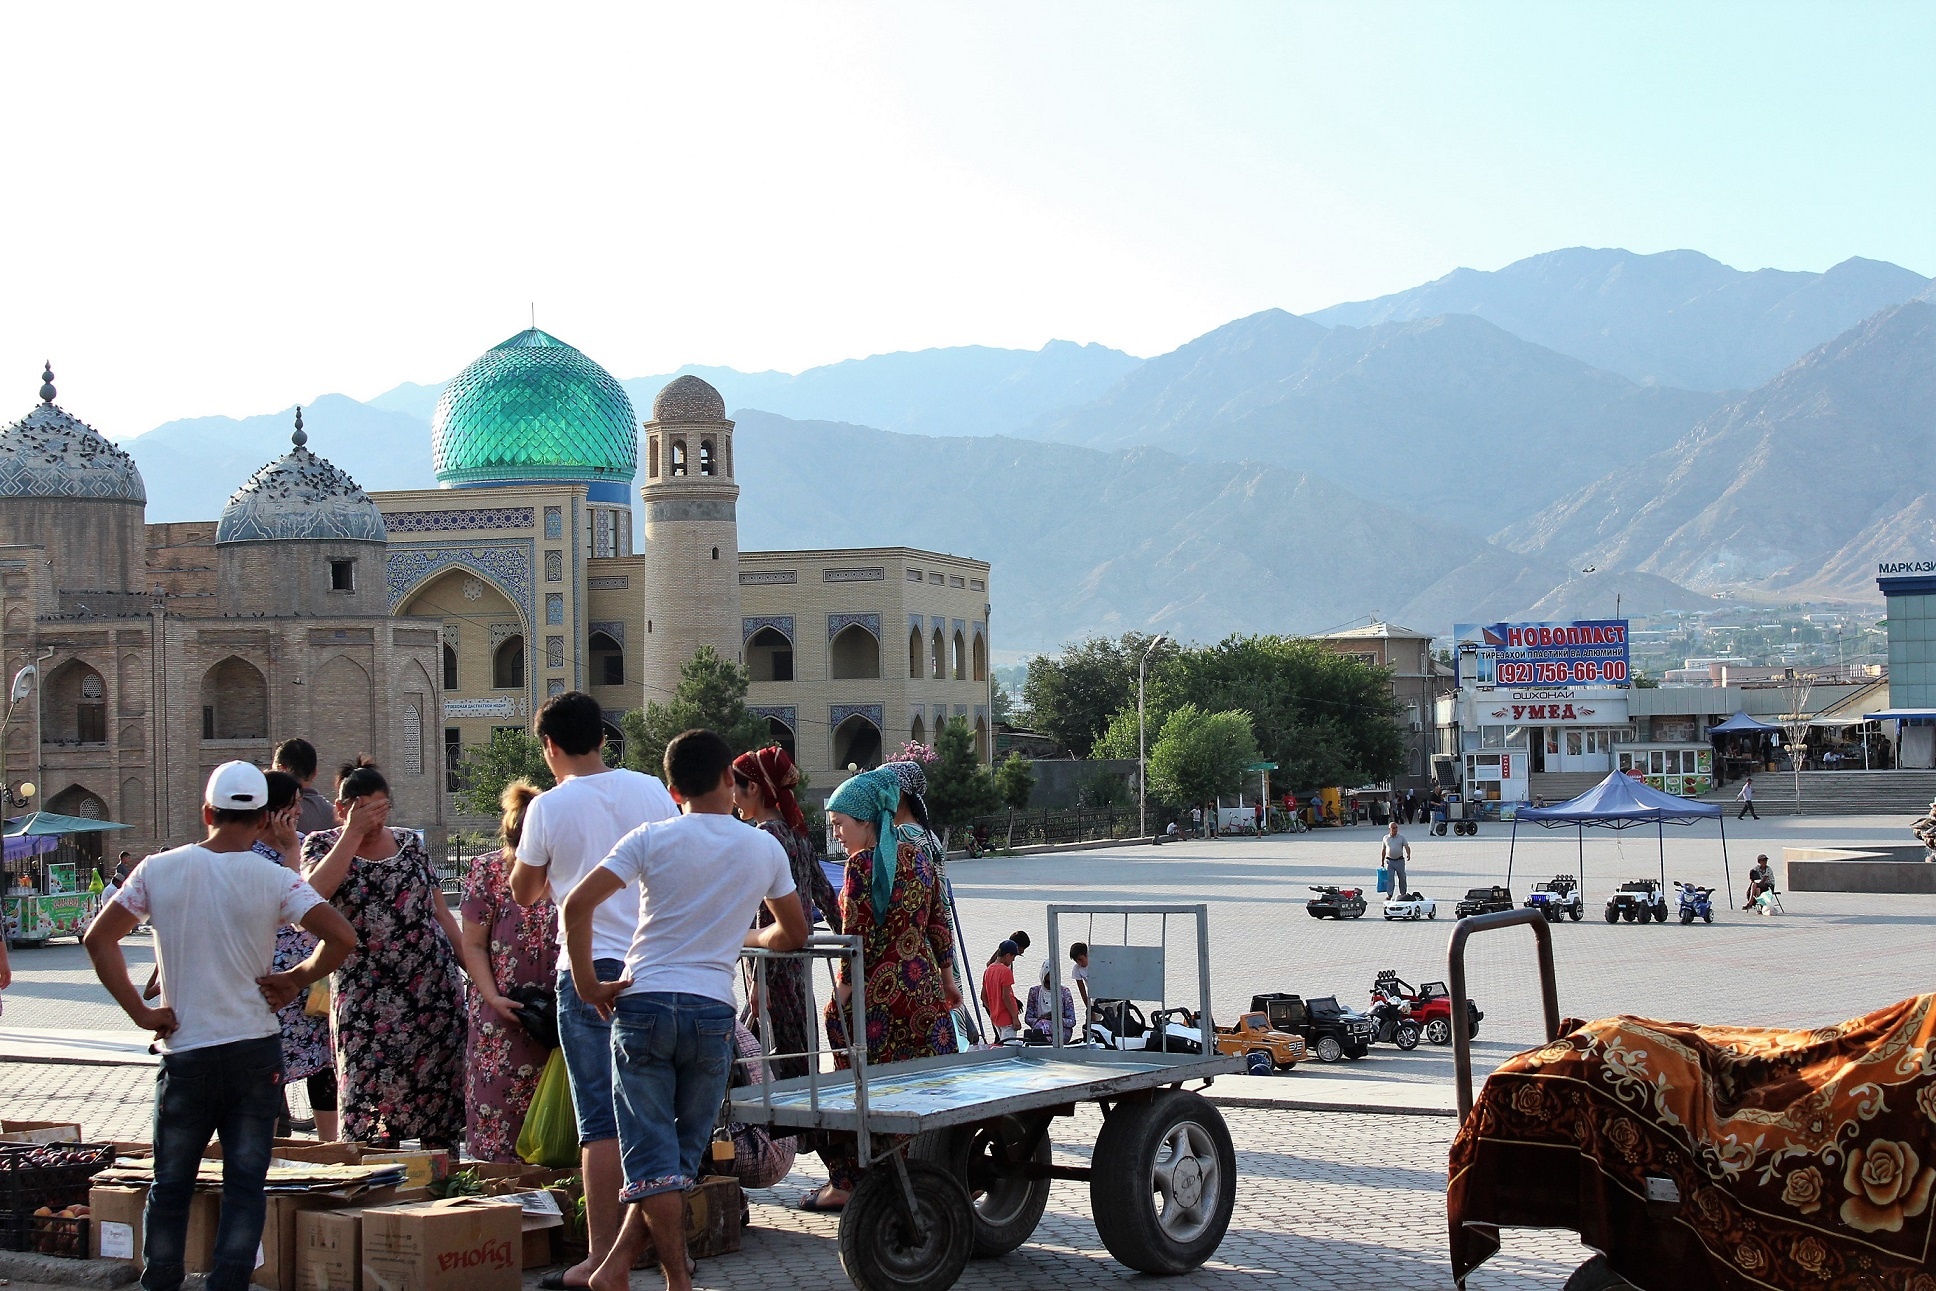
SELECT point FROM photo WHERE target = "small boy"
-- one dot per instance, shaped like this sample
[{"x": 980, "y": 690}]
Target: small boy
[{"x": 1080, "y": 973}]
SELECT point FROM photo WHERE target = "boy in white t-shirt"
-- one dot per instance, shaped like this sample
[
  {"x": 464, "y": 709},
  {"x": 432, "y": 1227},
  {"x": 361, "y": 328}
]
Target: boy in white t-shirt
[
  {"x": 215, "y": 907},
  {"x": 701, "y": 878}
]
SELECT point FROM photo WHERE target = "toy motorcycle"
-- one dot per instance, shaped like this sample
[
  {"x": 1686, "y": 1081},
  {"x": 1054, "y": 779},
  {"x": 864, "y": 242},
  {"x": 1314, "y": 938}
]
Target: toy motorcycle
[
  {"x": 1695, "y": 903},
  {"x": 1393, "y": 1017}
]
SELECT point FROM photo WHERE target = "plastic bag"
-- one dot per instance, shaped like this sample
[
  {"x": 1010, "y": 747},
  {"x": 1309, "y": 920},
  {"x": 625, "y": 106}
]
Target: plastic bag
[
  {"x": 550, "y": 1134},
  {"x": 316, "y": 1003},
  {"x": 1384, "y": 878}
]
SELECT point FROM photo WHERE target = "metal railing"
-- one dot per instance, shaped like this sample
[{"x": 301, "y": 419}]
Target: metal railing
[
  {"x": 1455, "y": 972},
  {"x": 830, "y": 948}
]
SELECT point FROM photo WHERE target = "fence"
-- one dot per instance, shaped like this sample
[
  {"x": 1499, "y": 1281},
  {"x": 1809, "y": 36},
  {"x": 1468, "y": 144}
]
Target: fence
[{"x": 1047, "y": 827}]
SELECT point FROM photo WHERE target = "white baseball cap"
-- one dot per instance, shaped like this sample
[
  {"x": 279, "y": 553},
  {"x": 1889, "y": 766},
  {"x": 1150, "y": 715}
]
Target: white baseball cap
[{"x": 237, "y": 786}]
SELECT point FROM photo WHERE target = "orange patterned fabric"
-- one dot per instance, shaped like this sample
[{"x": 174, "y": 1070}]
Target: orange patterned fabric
[{"x": 1704, "y": 1157}]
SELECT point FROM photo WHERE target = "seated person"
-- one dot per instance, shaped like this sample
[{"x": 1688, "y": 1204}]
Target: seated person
[
  {"x": 1037, "y": 1015},
  {"x": 1925, "y": 831},
  {"x": 1760, "y": 879}
]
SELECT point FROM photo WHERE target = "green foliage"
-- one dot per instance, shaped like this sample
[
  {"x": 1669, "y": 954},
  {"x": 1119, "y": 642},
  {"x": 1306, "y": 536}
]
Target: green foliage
[
  {"x": 512, "y": 754},
  {"x": 1201, "y": 756},
  {"x": 1004, "y": 703},
  {"x": 960, "y": 788},
  {"x": 1104, "y": 789},
  {"x": 1015, "y": 781},
  {"x": 1072, "y": 696},
  {"x": 712, "y": 695},
  {"x": 1118, "y": 740}
]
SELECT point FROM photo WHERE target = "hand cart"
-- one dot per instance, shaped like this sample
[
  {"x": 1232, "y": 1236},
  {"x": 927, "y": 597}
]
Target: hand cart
[{"x": 955, "y": 1150}]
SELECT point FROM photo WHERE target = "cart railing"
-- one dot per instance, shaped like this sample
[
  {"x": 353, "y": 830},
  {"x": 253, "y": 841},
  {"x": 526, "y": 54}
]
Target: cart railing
[
  {"x": 830, "y": 948},
  {"x": 1206, "y": 1028},
  {"x": 1455, "y": 971}
]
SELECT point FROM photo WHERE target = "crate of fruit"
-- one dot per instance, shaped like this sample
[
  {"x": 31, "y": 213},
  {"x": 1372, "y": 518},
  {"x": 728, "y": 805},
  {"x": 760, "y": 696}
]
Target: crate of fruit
[
  {"x": 47, "y": 1232},
  {"x": 48, "y": 1176}
]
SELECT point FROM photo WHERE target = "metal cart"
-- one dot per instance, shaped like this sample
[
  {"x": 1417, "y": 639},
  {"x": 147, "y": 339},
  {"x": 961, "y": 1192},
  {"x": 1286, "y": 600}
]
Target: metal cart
[{"x": 955, "y": 1150}]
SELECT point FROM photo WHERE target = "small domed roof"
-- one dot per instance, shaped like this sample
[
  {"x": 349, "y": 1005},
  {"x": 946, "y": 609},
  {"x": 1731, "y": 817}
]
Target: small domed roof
[
  {"x": 533, "y": 408},
  {"x": 688, "y": 398},
  {"x": 300, "y": 496},
  {"x": 51, "y": 454}
]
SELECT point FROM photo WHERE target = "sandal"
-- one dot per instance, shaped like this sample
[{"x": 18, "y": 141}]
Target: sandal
[
  {"x": 813, "y": 1205},
  {"x": 556, "y": 1282}
]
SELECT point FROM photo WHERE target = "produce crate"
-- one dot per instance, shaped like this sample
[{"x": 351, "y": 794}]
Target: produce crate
[
  {"x": 46, "y": 1235},
  {"x": 45, "y": 1176}
]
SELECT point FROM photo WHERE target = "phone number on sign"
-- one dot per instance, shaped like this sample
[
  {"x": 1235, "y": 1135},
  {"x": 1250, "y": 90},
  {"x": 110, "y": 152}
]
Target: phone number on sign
[{"x": 1589, "y": 671}]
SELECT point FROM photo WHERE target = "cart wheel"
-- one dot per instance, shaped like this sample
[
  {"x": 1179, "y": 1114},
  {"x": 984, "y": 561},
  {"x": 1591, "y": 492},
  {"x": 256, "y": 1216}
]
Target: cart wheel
[
  {"x": 1164, "y": 1182},
  {"x": 1438, "y": 1031},
  {"x": 1597, "y": 1275},
  {"x": 1407, "y": 1037},
  {"x": 1329, "y": 1050},
  {"x": 1439, "y": 829},
  {"x": 1007, "y": 1205},
  {"x": 1576, "y": 914},
  {"x": 876, "y": 1248}
]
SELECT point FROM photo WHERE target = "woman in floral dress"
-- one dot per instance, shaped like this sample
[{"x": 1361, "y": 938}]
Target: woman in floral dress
[
  {"x": 893, "y": 902},
  {"x": 306, "y": 1053},
  {"x": 505, "y": 946},
  {"x": 396, "y": 1005}
]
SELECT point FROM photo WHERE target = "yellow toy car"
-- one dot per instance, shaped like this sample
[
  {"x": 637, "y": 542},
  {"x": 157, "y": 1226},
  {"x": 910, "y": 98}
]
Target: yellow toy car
[{"x": 1254, "y": 1038}]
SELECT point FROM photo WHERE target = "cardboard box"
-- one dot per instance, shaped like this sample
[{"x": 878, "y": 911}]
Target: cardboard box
[
  {"x": 117, "y": 1229},
  {"x": 329, "y": 1250},
  {"x": 40, "y": 1132},
  {"x": 204, "y": 1214},
  {"x": 421, "y": 1169},
  {"x": 463, "y": 1244},
  {"x": 712, "y": 1221},
  {"x": 281, "y": 1247}
]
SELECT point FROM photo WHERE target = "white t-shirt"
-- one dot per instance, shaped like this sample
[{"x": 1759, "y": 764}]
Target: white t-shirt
[
  {"x": 571, "y": 828},
  {"x": 215, "y": 916},
  {"x": 700, "y": 880}
]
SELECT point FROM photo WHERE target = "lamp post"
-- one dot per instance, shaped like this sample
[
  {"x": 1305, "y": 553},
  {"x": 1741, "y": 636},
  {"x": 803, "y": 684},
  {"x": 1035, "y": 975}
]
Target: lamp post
[
  {"x": 23, "y": 685},
  {"x": 1142, "y": 771}
]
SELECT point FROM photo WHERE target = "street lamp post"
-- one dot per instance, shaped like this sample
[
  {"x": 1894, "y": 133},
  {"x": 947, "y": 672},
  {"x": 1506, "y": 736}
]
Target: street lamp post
[
  {"x": 23, "y": 684},
  {"x": 1142, "y": 770}
]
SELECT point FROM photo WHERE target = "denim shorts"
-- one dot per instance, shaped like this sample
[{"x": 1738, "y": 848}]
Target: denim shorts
[
  {"x": 671, "y": 1057},
  {"x": 586, "y": 1039}
]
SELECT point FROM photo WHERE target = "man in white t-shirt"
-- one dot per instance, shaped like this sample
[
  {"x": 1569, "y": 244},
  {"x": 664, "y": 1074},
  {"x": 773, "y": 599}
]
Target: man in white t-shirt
[
  {"x": 215, "y": 907},
  {"x": 701, "y": 878},
  {"x": 568, "y": 830}
]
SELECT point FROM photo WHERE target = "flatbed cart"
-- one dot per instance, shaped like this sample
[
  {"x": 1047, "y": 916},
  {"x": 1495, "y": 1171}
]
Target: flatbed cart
[{"x": 955, "y": 1150}]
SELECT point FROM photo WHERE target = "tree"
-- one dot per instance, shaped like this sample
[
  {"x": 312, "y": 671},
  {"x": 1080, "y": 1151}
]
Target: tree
[
  {"x": 1004, "y": 703},
  {"x": 1072, "y": 696},
  {"x": 512, "y": 754},
  {"x": 1015, "y": 782},
  {"x": 711, "y": 695},
  {"x": 1201, "y": 756},
  {"x": 959, "y": 786}
]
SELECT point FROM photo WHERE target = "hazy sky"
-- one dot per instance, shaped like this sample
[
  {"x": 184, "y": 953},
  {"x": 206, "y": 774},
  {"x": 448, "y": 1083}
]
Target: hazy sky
[{"x": 219, "y": 210}]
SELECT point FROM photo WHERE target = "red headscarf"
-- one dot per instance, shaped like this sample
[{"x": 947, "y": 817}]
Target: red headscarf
[{"x": 773, "y": 771}]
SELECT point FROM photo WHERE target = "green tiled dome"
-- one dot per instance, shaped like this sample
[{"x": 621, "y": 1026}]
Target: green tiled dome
[{"x": 533, "y": 408}]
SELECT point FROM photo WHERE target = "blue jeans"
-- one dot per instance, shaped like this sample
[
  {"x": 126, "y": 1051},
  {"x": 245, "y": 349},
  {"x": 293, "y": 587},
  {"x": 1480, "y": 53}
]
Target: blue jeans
[
  {"x": 234, "y": 1091},
  {"x": 671, "y": 1057},
  {"x": 586, "y": 1039}
]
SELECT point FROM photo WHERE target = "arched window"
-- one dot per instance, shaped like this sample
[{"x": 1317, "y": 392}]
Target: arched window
[
  {"x": 705, "y": 457},
  {"x": 235, "y": 701},
  {"x": 652, "y": 458},
  {"x": 608, "y": 660},
  {"x": 981, "y": 658},
  {"x": 507, "y": 664},
  {"x": 938, "y": 656},
  {"x": 769, "y": 656},
  {"x": 857, "y": 743},
  {"x": 450, "y": 666},
  {"x": 855, "y": 654},
  {"x": 919, "y": 731},
  {"x": 76, "y": 709},
  {"x": 961, "y": 657},
  {"x": 914, "y": 654},
  {"x": 678, "y": 457},
  {"x": 614, "y": 745},
  {"x": 781, "y": 734}
]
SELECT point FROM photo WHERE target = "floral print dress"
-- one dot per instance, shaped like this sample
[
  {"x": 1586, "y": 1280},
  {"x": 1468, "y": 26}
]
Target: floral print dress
[
  {"x": 396, "y": 1004},
  {"x": 502, "y": 1063},
  {"x": 789, "y": 1000},
  {"x": 909, "y": 953},
  {"x": 305, "y": 1035}
]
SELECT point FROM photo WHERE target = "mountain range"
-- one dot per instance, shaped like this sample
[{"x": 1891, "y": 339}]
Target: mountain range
[{"x": 1474, "y": 446}]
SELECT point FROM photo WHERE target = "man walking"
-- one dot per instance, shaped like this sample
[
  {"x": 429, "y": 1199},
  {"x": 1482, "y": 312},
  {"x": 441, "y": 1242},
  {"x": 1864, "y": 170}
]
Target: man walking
[
  {"x": 1746, "y": 799},
  {"x": 1396, "y": 851},
  {"x": 700, "y": 879},
  {"x": 215, "y": 907},
  {"x": 568, "y": 830}
]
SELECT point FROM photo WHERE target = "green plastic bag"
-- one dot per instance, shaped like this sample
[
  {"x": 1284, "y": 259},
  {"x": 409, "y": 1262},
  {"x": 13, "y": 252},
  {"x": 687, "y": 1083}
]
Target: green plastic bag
[{"x": 550, "y": 1134}]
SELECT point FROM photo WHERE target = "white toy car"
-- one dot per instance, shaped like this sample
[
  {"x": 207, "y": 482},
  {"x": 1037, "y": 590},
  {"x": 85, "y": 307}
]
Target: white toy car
[{"x": 1411, "y": 905}]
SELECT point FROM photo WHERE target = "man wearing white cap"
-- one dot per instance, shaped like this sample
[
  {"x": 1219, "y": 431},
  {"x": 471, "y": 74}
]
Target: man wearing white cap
[{"x": 215, "y": 907}]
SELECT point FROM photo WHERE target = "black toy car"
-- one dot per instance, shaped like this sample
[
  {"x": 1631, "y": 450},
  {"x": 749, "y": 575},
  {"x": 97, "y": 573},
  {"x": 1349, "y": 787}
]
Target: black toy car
[
  {"x": 1483, "y": 901},
  {"x": 1558, "y": 898},
  {"x": 1637, "y": 902},
  {"x": 1336, "y": 903},
  {"x": 1330, "y": 1030}
]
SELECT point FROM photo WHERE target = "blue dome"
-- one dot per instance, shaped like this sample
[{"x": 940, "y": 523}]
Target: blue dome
[{"x": 533, "y": 408}]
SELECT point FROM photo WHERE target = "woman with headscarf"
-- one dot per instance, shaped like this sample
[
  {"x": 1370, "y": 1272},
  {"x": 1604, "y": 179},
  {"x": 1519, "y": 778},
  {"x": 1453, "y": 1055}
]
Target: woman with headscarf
[
  {"x": 763, "y": 783},
  {"x": 892, "y": 900},
  {"x": 911, "y": 824}
]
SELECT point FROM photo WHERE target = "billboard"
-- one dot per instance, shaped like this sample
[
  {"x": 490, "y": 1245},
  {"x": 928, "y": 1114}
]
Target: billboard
[{"x": 1583, "y": 652}]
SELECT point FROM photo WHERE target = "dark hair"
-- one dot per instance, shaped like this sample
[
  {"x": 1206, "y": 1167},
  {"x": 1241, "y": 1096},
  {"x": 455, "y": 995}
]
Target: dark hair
[
  {"x": 126, "y": 854},
  {"x": 359, "y": 779},
  {"x": 573, "y": 721},
  {"x": 283, "y": 788},
  {"x": 1020, "y": 938},
  {"x": 240, "y": 815},
  {"x": 695, "y": 760},
  {"x": 297, "y": 757},
  {"x": 1078, "y": 950}
]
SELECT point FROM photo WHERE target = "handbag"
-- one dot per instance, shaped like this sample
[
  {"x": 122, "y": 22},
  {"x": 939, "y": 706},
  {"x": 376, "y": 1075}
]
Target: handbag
[
  {"x": 538, "y": 1012},
  {"x": 1384, "y": 878}
]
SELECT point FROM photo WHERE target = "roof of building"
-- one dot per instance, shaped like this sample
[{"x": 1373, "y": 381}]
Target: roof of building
[
  {"x": 300, "y": 496},
  {"x": 533, "y": 408},
  {"x": 688, "y": 398},
  {"x": 1376, "y": 629},
  {"x": 50, "y": 453}
]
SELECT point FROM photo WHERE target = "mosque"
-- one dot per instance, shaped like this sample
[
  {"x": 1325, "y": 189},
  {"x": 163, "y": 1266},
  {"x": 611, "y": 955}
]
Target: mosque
[{"x": 409, "y": 625}]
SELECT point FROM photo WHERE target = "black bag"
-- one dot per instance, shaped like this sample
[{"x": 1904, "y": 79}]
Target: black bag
[{"x": 538, "y": 1011}]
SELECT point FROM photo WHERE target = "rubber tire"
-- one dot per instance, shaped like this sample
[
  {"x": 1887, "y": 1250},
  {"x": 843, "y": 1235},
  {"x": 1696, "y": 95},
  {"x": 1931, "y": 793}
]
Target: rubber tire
[
  {"x": 1122, "y": 1191},
  {"x": 1596, "y": 1275},
  {"x": 1010, "y": 1209},
  {"x": 1628, "y": 914},
  {"x": 1406, "y": 1037},
  {"x": 1687, "y": 917},
  {"x": 871, "y": 1233},
  {"x": 1438, "y": 1031},
  {"x": 1660, "y": 913},
  {"x": 1577, "y": 913},
  {"x": 1355, "y": 1054},
  {"x": 1328, "y": 1049},
  {"x": 1708, "y": 917},
  {"x": 1432, "y": 913},
  {"x": 1613, "y": 915},
  {"x": 1359, "y": 913},
  {"x": 1438, "y": 831}
]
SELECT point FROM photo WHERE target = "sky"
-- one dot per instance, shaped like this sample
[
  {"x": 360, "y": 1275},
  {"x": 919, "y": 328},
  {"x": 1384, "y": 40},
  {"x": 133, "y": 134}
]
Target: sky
[{"x": 227, "y": 209}]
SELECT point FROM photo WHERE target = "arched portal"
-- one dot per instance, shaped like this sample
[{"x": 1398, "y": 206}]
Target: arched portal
[
  {"x": 75, "y": 707},
  {"x": 235, "y": 701},
  {"x": 961, "y": 657},
  {"x": 857, "y": 743},
  {"x": 914, "y": 653},
  {"x": 507, "y": 664},
  {"x": 782, "y": 734},
  {"x": 938, "y": 656},
  {"x": 769, "y": 656},
  {"x": 607, "y": 660},
  {"x": 855, "y": 654}
]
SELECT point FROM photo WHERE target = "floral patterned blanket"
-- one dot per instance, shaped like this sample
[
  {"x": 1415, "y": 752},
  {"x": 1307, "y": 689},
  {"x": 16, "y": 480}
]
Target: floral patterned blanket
[{"x": 1704, "y": 1157}]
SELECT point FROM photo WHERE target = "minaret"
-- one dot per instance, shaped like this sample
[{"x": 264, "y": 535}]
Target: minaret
[{"x": 691, "y": 534}]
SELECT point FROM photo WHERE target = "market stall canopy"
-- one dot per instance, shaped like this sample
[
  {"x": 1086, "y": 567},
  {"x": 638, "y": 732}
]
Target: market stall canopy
[
  {"x": 1901, "y": 715},
  {"x": 51, "y": 824},
  {"x": 20, "y": 848},
  {"x": 1740, "y": 723},
  {"x": 1620, "y": 801}
]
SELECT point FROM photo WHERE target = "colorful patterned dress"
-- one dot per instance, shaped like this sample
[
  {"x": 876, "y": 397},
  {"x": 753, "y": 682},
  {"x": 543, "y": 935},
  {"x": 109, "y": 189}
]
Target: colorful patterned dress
[
  {"x": 789, "y": 981},
  {"x": 396, "y": 1006},
  {"x": 305, "y": 1035},
  {"x": 502, "y": 1063},
  {"x": 908, "y": 955}
]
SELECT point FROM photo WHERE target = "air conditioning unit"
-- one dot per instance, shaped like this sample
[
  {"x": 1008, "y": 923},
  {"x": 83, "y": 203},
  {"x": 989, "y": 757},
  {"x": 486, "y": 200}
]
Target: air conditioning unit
[{"x": 1417, "y": 727}]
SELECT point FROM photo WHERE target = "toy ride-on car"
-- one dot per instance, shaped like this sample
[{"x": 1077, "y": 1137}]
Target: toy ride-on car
[
  {"x": 1336, "y": 903},
  {"x": 1330, "y": 1030},
  {"x": 1483, "y": 901},
  {"x": 1558, "y": 898},
  {"x": 1411, "y": 905},
  {"x": 1119, "y": 1024},
  {"x": 1637, "y": 902},
  {"x": 1264, "y": 1048},
  {"x": 1431, "y": 1006}
]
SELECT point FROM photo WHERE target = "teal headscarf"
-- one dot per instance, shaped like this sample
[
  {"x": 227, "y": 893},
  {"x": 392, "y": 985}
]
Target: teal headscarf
[{"x": 874, "y": 796}]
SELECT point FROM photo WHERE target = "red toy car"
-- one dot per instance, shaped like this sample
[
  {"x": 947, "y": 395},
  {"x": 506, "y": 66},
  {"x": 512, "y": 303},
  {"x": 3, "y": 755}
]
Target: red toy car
[{"x": 1431, "y": 1006}]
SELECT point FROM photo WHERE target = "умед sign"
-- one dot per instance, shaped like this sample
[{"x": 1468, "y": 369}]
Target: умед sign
[{"x": 1584, "y": 652}]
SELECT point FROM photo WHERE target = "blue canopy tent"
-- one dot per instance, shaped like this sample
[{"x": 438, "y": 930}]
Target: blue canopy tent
[
  {"x": 1622, "y": 802},
  {"x": 1742, "y": 724}
]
